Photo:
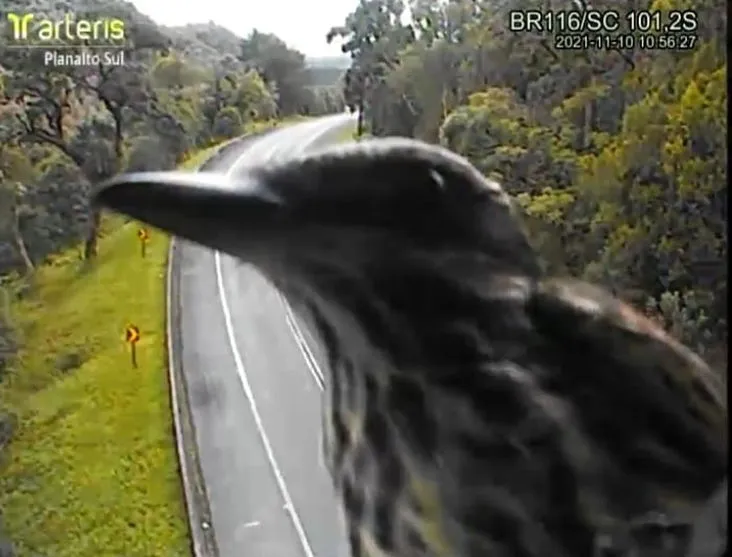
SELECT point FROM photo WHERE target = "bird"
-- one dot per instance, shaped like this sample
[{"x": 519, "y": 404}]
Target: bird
[{"x": 475, "y": 406}]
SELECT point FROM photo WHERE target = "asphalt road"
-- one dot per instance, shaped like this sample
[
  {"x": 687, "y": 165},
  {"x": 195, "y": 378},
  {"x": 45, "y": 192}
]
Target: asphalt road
[{"x": 254, "y": 380}]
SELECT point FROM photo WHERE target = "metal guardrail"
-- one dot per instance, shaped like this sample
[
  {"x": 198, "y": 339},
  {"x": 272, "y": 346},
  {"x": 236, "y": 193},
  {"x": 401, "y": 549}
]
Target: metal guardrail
[{"x": 194, "y": 488}]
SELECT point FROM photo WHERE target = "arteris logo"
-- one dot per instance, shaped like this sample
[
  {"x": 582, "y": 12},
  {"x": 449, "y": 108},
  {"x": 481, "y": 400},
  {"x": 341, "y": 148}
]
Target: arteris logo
[{"x": 29, "y": 29}]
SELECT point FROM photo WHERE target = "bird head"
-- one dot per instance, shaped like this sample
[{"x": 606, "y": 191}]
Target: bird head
[
  {"x": 395, "y": 190},
  {"x": 373, "y": 220},
  {"x": 497, "y": 408}
]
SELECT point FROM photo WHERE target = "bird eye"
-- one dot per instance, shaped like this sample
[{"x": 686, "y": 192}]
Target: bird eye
[
  {"x": 493, "y": 186},
  {"x": 438, "y": 179}
]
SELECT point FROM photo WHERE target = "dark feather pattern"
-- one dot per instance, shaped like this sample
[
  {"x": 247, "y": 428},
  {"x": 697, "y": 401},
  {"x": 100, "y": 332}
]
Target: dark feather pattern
[{"x": 474, "y": 406}]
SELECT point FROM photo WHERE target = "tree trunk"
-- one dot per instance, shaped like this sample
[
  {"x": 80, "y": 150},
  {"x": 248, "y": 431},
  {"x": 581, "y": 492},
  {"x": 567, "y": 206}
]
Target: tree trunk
[
  {"x": 92, "y": 235},
  {"x": 20, "y": 244},
  {"x": 359, "y": 125}
]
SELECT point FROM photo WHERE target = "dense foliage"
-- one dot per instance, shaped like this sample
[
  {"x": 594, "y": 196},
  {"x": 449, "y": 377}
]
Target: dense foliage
[
  {"x": 617, "y": 157},
  {"x": 65, "y": 128}
]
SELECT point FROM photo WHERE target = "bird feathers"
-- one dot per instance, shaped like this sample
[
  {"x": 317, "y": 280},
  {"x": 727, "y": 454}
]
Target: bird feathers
[{"x": 475, "y": 407}]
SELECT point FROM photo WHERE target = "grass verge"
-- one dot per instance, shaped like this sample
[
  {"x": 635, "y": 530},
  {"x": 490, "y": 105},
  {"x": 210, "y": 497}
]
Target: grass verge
[
  {"x": 92, "y": 468},
  {"x": 346, "y": 135}
]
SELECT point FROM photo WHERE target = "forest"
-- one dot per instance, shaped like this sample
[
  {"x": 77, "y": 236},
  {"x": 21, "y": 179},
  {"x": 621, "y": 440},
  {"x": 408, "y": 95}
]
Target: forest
[
  {"x": 182, "y": 89},
  {"x": 616, "y": 157},
  {"x": 63, "y": 130}
]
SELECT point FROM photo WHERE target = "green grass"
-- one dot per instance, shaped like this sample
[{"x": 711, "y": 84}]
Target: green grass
[
  {"x": 92, "y": 470},
  {"x": 346, "y": 135}
]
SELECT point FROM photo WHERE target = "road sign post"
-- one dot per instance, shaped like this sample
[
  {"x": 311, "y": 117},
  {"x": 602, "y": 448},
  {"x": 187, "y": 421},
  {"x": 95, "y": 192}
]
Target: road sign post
[
  {"x": 143, "y": 237},
  {"x": 132, "y": 336}
]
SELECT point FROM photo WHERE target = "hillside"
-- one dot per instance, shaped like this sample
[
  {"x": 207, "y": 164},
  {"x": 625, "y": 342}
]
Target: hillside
[
  {"x": 56, "y": 9},
  {"x": 326, "y": 71},
  {"x": 84, "y": 413},
  {"x": 205, "y": 44},
  {"x": 72, "y": 389},
  {"x": 330, "y": 62},
  {"x": 324, "y": 77},
  {"x": 202, "y": 44}
]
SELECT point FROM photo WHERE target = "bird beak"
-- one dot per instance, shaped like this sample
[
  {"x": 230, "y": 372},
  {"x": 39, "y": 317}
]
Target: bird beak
[{"x": 207, "y": 208}]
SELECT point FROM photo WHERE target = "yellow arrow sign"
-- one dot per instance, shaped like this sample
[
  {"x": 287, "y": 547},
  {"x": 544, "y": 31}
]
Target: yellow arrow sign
[
  {"x": 132, "y": 334},
  {"x": 142, "y": 234}
]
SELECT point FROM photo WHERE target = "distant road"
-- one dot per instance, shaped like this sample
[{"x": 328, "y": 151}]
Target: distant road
[{"x": 253, "y": 380}]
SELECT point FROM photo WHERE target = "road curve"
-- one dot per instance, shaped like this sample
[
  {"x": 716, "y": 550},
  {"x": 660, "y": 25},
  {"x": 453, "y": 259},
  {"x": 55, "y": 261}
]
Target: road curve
[{"x": 254, "y": 381}]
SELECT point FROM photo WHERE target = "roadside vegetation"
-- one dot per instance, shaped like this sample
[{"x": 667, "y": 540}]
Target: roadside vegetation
[
  {"x": 92, "y": 463},
  {"x": 87, "y": 457},
  {"x": 618, "y": 158}
]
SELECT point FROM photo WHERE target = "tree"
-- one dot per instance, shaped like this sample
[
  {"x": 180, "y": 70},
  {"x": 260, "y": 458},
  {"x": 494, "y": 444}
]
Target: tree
[
  {"x": 15, "y": 172},
  {"x": 227, "y": 123},
  {"x": 617, "y": 158},
  {"x": 172, "y": 72},
  {"x": 281, "y": 68},
  {"x": 47, "y": 96},
  {"x": 372, "y": 35},
  {"x": 252, "y": 97}
]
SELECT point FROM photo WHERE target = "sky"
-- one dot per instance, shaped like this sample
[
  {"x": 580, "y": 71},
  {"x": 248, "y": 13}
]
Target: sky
[{"x": 302, "y": 24}]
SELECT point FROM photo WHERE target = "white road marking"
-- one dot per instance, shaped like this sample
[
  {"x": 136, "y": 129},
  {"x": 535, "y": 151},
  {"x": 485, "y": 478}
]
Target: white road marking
[
  {"x": 294, "y": 328},
  {"x": 302, "y": 344},
  {"x": 251, "y": 524},
  {"x": 241, "y": 371},
  {"x": 291, "y": 319},
  {"x": 255, "y": 412}
]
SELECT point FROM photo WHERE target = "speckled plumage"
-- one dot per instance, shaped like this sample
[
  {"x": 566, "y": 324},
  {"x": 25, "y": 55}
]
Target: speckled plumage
[{"x": 474, "y": 406}]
